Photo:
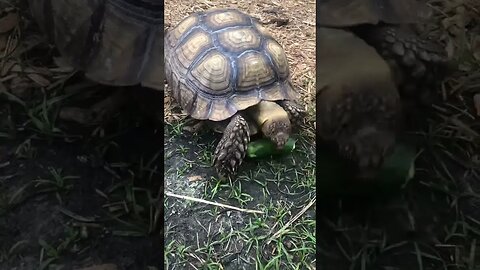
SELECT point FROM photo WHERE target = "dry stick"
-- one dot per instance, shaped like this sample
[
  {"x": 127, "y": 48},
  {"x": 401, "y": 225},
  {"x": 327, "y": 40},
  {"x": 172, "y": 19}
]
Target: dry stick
[
  {"x": 291, "y": 221},
  {"x": 212, "y": 203}
]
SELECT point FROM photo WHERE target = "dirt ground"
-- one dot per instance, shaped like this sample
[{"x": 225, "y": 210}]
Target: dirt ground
[
  {"x": 70, "y": 196},
  {"x": 202, "y": 236}
]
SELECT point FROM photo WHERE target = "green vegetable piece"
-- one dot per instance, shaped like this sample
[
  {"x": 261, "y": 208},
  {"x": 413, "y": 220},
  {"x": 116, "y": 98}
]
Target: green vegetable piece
[
  {"x": 336, "y": 177},
  {"x": 399, "y": 166},
  {"x": 264, "y": 148}
]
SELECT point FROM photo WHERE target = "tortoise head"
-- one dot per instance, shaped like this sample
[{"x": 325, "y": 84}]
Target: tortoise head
[
  {"x": 277, "y": 130},
  {"x": 367, "y": 148}
]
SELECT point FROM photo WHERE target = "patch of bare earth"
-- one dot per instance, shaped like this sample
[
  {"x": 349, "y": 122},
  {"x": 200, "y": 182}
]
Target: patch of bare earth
[{"x": 70, "y": 196}]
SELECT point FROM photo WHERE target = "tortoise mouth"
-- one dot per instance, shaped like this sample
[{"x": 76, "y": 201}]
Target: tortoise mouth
[
  {"x": 280, "y": 139},
  {"x": 368, "y": 148}
]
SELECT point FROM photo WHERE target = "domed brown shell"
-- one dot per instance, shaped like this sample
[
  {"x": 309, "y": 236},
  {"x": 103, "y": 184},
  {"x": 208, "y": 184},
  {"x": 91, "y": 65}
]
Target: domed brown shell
[
  {"x": 116, "y": 42},
  {"x": 338, "y": 13},
  {"x": 222, "y": 61},
  {"x": 344, "y": 90},
  {"x": 355, "y": 94}
]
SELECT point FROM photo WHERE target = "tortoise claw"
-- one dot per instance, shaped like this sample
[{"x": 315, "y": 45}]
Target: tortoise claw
[
  {"x": 231, "y": 149},
  {"x": 295, "y": 112}
]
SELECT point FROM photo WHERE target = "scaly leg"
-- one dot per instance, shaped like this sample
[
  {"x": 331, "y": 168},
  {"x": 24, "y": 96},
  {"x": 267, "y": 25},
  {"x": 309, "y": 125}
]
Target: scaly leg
[
  {"x": 295, "y": 112},
  {"x": 232, "y": 148},
  {"x": 416, "y": 61}
]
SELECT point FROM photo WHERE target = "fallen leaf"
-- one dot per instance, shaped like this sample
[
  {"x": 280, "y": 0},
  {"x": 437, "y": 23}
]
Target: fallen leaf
[
  {"x": 28, "y": 42},
  {"x": 3, "y": 42},
  {"x": 8, "y": 22},
  {"x": 6, "y": 68},
  {"x": 62, "y": 64},
  {"x": 20, "y": 87},
  {"x": 40, "y": 80},
  {"x": 476, "y": 102},
  {"x": 476, "y": 47},
  {"x": 74, "y": 114},
  {"x": 465, "y": 67}
]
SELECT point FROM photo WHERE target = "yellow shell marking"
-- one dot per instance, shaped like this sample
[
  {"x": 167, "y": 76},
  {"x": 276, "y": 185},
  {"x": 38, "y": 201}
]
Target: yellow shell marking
[
  {"x": 189, "y": 51},
  {"x": 181, "y": 28},
  {"x": 224, "y": 19},
  {"x": 213, "y": 72},
  {"x": 253, "y": 70},
  {"x": 273, "y": 93},
  {"x": 239, "y": 40},
  {"x": 278, "y": 56},
  {"x": 244, "y": 101}
]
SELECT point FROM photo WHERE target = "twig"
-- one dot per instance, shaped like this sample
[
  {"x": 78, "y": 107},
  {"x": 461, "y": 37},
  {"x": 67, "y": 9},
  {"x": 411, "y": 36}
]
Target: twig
[
  {"x": 291, "y": 221},
  {"x": 212, "y": 203}
]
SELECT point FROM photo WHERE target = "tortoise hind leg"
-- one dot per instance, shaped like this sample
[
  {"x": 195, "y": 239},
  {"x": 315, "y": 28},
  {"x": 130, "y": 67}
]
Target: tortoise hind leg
[
  {"x": 232, "y": 148},
  {"x": 295, "y": 112}
]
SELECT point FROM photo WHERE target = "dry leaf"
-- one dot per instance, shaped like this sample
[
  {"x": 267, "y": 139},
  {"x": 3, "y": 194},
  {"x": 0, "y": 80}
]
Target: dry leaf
[
  {"x": 74, "y": 114},
  {"x": 40, "y": 80},
  {"x": 63, "y": 65},
  {"x": 476, "y": 47},
  {"x": 3, "y": 42},
  {"x": 16, "y": 68},
  {"x": 20, "y": 87},
  {"x": 8, "y": 22},
  {"x": 6, "y": 68},
  {"x": 28, "y": 42},
  {"x": 476, "y": 102}
]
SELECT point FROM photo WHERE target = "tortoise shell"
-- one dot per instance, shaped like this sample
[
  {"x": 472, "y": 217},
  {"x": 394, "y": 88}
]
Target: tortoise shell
[
  {"x": 115, "y": 42},
  {"x": 343, "y": 13},
  {"x": 222, "y": 61}
]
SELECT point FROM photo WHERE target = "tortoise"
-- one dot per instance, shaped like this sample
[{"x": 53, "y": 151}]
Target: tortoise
[
  {"x": 114, "y": 42},
  {"x": 393, "y": 28},
  {"x": 368, "y": 53},
  {"x": 226, "y": 70}
]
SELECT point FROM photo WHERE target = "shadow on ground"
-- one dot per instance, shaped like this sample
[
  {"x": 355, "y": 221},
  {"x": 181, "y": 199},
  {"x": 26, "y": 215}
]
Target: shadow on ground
[{"x": 68, "y": 203}]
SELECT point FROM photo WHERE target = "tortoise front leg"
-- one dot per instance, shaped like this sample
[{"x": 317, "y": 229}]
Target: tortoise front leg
[
  {"x": 232, "y": 148},
  {"x": 416, "y": 61},
  {"x": 295, "y": 112},
  {"x": 410, "y": 49}
]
